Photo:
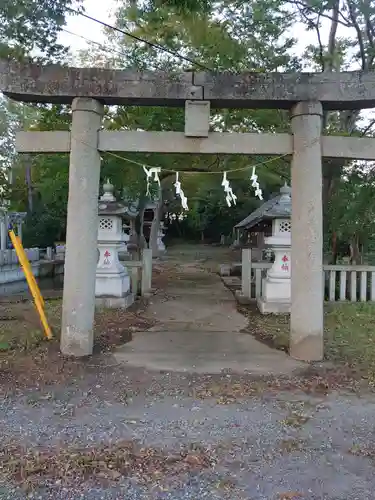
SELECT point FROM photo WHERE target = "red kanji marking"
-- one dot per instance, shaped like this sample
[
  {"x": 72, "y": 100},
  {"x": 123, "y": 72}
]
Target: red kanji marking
[
  {"x": 285, "y": 259},
  {"x": 107, "y": 253}
]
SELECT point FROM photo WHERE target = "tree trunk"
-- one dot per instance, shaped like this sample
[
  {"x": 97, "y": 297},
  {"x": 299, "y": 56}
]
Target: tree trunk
[
  {"x": 334, "y": 248},
  {"x": 355, "y": 254}
]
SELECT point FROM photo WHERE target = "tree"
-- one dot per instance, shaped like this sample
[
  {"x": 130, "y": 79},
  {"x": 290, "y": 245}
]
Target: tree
[
  {"x": 235, "y": 42},
  {"x": 352, "y": 210},
  {"x": 28, "y": 26},
  {"x": 354, "y": 51}
]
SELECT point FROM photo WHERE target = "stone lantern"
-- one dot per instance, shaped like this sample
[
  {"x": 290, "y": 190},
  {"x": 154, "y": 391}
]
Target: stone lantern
[
  {"x": 112, "y": 286},
  {"x": 276, "y": 297},
  {"x": 17, "y": 219}
]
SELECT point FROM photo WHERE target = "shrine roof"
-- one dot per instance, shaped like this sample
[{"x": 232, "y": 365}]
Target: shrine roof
[
  {"x": 30, "y": 82},
  {"x": 279, "y": 206}
]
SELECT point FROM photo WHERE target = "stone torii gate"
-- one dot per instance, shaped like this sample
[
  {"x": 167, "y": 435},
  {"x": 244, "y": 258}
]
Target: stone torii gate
[{"x": 88, "y": 89}]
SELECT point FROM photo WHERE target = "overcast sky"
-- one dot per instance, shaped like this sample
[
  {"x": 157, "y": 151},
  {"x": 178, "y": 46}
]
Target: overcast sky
[
  {"x": 103, "y": 10},
  {"x": 81, "y": 26}
]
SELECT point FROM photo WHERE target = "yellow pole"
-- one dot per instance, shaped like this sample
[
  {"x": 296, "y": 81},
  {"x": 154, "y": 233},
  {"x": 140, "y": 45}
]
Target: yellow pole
[
  {"x": 38, "y": 299},
  {"x": 28, "y": 265}
]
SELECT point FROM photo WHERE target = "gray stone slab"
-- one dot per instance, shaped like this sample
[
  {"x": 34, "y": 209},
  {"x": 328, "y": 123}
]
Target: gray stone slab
[
  {"x": 347, "y": 90},
  {"x": 60, "y": 84},
  {"x": 204, "y": 352}
]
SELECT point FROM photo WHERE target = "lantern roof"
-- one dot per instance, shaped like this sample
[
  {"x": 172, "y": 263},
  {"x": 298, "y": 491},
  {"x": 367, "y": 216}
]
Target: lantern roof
[
  {"x": 108, "y": 205},
  {"x": 278, "y": 207}
]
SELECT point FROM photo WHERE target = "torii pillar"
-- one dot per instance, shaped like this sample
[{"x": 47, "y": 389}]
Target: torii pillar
[
  {"x": 82, "y": 229},
  {"x": 307, "y": 292}
]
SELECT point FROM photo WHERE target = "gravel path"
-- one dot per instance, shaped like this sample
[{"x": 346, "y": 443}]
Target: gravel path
[
  {"x": 259, "y": 448},
  {"x": 190, "y": 437}
]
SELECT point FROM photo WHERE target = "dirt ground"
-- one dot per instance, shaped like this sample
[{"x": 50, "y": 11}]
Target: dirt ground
[{"x": 99, "y": 429}]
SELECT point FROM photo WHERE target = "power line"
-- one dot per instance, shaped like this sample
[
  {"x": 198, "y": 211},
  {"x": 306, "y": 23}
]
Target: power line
[
  {"x": 139, "y": 39},
  {"x": 103, "y": 47}
]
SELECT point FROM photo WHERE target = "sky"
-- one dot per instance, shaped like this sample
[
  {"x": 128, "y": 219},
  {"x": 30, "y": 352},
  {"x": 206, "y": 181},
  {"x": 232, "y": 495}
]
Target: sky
[
  {"x": 81, "y": 26},
  {"x": 103, "y": 10}
]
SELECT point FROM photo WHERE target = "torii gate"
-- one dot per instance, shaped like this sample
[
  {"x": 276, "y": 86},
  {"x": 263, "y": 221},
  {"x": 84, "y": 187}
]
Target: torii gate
[{"x": 88, "y": 89}]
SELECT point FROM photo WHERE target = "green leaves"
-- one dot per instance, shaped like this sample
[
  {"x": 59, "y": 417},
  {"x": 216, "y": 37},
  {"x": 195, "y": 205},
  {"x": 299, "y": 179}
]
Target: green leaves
[
  {"x": 352, "y": 206},
  {"x": 30, "y": 25}
]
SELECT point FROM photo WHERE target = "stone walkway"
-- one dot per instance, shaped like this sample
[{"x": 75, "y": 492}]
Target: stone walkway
[{"x": 199, "y": 330}]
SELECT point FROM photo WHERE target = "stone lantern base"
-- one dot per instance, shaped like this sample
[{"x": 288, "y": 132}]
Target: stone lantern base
[
  {"x": 275, "y": 296},
  {"x": 112, "y": 283},
  {"x": 276, "y": 293},
  {"x": 115, "y": 302},
  {"x": 112, "y": 291}
]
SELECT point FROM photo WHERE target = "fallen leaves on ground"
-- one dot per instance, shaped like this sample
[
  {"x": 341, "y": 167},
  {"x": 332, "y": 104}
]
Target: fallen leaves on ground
[
  {"x": 363, "y": 451},
  {"x": 30, "y": 359},
  {"x": 291, "y": 445},
  {"x": 290, "y": 495},
  {"x": 296, "y": 420},
  {"x": 33, "y": 467},
  {"x": 315, "y": 381}
]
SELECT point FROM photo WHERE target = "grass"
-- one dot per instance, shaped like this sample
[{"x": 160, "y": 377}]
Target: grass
[{"x": 349, "y": 333}]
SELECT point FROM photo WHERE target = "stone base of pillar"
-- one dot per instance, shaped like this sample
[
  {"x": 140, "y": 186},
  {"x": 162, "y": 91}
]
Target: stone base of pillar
[
  {"x": 242, "y": 299},
  {"x": 308, "y": 348},
  {"x": 112, "y": 285},
  {"x": 275, "y": 296},
  {"x": 115, "y": 302},
  {"x": 274, "y": 307}
]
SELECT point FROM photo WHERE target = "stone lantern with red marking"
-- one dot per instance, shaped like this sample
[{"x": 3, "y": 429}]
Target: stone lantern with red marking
[
  {"x": 275, "y": 296},
  {"x": 112, "y": 285}
]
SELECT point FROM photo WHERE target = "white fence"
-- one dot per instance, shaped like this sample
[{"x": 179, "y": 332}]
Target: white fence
[
  {"x": 341, "y": 282},
  {"x": 354, "y": 283}
]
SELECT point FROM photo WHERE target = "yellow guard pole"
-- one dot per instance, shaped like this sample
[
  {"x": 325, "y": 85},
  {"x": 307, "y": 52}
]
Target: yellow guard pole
[
  {"x": 28, "y": 265},
  {"x": 39, "y": 302}
]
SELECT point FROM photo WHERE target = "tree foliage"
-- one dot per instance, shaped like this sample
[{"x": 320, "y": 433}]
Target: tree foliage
[
  {"x": 352, "y": 209},
  {"x": 31, "y": 26}
]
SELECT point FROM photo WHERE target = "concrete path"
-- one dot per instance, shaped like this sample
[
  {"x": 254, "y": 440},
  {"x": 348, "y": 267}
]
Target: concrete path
[{"x": 199, "y": 330}]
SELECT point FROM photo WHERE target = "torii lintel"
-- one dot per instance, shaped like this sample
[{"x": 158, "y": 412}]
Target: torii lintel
[{"x": 61, "y": 84}]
